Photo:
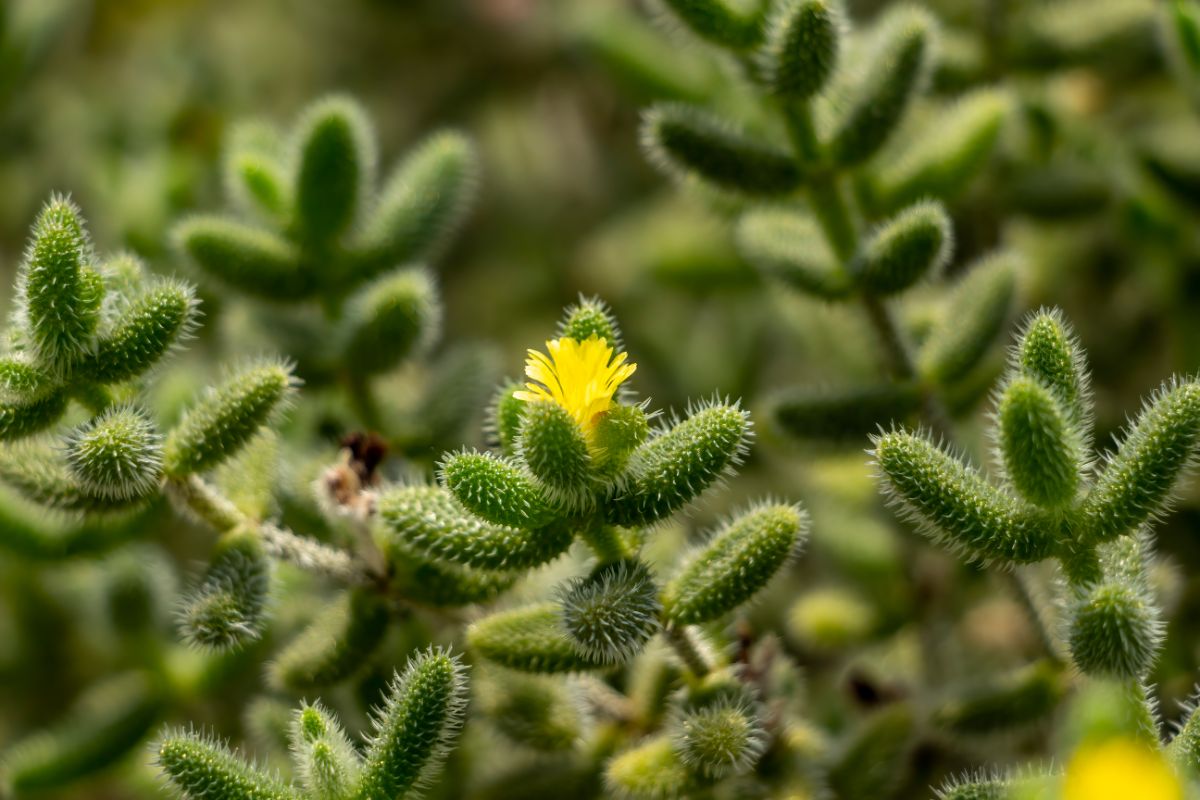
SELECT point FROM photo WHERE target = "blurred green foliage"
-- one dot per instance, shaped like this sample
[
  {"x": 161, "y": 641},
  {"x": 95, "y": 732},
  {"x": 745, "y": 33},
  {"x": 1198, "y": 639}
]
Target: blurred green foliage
[{"x": 876, "y": 647}]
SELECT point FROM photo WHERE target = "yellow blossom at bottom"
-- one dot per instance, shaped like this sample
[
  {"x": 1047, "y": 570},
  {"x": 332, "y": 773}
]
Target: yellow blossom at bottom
[{"x": 1120, "y": 769}]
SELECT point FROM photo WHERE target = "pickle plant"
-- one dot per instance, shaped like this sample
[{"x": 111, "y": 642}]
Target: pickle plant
[
  {"x": 578, "y": 459},
  {"x": 338, "y": 255},
  {"x": 844, "y": 209},
  {"x": 1058, "y": 500}
]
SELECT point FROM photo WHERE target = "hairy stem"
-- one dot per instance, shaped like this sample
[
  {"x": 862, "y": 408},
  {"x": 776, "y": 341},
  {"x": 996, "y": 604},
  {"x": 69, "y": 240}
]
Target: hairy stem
[
  {"x": 685, "y": 646},
  {"x": 206, "y": 502}
]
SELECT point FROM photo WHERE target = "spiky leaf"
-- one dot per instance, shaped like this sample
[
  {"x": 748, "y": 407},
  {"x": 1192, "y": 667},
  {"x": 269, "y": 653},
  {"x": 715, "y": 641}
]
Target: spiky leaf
[
  {"x": 687, "y": 140},
  {"x": 417, "y": 726},
  {"x": 734, "y": 565},
  {"x": 676, "y": 465}
]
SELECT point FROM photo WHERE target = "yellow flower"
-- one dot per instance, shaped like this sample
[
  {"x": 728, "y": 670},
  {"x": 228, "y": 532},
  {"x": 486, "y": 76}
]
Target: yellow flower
[
  {"x": 1120, "y": 769},
  {"x": 582, "y": 377}
]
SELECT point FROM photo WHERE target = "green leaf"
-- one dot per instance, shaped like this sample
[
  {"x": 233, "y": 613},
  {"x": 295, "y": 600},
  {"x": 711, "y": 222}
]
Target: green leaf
[
  {"x": 335, "y": 166},
  {"x": 650, "y": 770},
  {"x": 116, "y": 455},
  {"x": 590, "y": 317},
  {"x": 971, "y": 318},
  {"x": 21, "y": 419},
  {"x": 146, "y": 329},
  {"x": 617, "y": 434},
  {"x": 59, "y": 292},
  {"x": 390, "y": 320},
  {"x": 891, "y": 78},
  {"x": 553, "y": 447},
  {"x": 335, "y": 645},
  {"x": 495, "y": 489},
  {"x": 789, "y": 247},
  {"x": 677, "y": 464},
  {"x": 198, "y": 766},
  {"x": 430, "y": 520},
  {"x": 424, "y": 199},
  {"x": 504, "y": 415},
  {"x": 1048, "y": 350},
  {"x": 417, "y": 726},
  {"x": 684, "y": 140},
  {"x": 719, "y": 739},
  {"x": 326, "y": 761},
  {"x": 246, "y": 258},
  {"x": 41, "y": 474},
  {"x": 227, "y": 416},
  {"x": 956, "y": 505},
  {"x": 733, "y": 566},
  {"x": 1115, "y": 631},
  {"x": 1042, "y": 455},
  {"x": 439, "y": 584},
  {"x": 611, "y": 613},
  {"x": 802, "y": 47},
  {"x": 715, "y": 21},
  {"x": 530, "y": 639},
  {"x": 950, "y": 151},
  {"x": 1136, "y": 482},
  {"x": 916, "y": 243},
  {"x": 229, "y": 609},
  {"x": 105, "y": 724}
]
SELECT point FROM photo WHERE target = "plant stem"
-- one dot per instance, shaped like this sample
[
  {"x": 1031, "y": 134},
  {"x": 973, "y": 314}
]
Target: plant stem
[
  {"x": 606, "y": 543},
  {"x": 685, "y": 646},
  {"x": 206, "y": 501}
]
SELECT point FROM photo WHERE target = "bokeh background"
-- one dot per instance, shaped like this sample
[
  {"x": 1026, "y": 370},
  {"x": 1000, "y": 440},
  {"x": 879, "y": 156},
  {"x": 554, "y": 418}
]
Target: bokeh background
[{"x": 124, "y": 104}]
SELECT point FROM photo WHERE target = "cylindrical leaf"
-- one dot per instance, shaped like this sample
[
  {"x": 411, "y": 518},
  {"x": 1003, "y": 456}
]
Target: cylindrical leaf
[
  {"x": 430, "y": 520},
  {"x": 1137, "y": 481},
  {"x": 916, "y": 243},
  {"x": 335, "y": 645},
  {"x": 553, "y": 447},
  {"x": 802, "y": 47},
  {"x": 971, "y": 318},
  {"x": 117, "y": 455},
  {"x": 104, "y": 725},
  {"x": 952, "y": 150},
  {"x": 734, "y": 565},
  {"x": 60, "y": 293},
  {"x": 530, "y": 639},
  {"x": 227, "y": 417},
  {"x": 146, "y": 329},
  {"x": 325, "y": 758},
  {"x": 336, "y": 163},
  {"x": 956, "y": 505},
  {"x": 496, "y": 490},
  {"x": 611, "y": 613},
  {"x": 687, "y": 141},
  {"x": 417, "y": 726},
  {"x": 846, "y": 414},
  {"x": 246, "y": 258},
  {"x": 390, "y": 320},
  {"x": 1042, "y": 456},
  {"x": 891, "y": 78},
  {"x": 424, "y": 199},
  {"x": 675, "y": 466},
  {"x": 715, "y": 21},
  {"x": 199, "y": 766},
  {"x": 1115, "y": 631},
  {"x": 229, "y": 608}
]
